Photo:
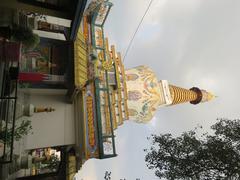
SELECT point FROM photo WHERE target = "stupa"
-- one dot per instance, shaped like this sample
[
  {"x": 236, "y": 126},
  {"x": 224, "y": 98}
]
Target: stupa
[
  {"x": 146, "y": 94},
  {"x": 111, "y": 94}
]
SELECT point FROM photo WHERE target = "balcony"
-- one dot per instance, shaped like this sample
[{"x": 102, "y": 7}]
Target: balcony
[{"x": 9, "y": 62}]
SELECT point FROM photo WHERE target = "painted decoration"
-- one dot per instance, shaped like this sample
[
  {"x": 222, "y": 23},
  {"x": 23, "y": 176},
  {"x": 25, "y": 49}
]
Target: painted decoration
[
  {"x": 134, "y": 95},
  {"x": 108, "y": 146},
  {"x": 80, "y": 61},
  {"x": 37, "y": 60},
  {"x": 132, "y": 112},
  {"x": 47, "y": 64},
  {"x": 99, "y": 37},
  {"x": 132, "y": 77},
  {"x": 144, "y": 94},
  {"x": 102, "y": 13},
  {"x": 90, "y": 121},
  {"x": 90, "y": 115}
]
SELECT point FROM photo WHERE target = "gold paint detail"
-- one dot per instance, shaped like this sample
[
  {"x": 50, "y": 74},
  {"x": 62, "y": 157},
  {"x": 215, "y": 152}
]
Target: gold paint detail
[
  {"x": 89, "y": 128},
  {"x": 119, "y": 87},
  {"x": 90, "y": 117},
  {"x": 107, "y": 114},
  {"x": 210, "y": 96},
  {"x": 85, "y": 126},
  {"x": 107, "y": 65},
  {"x": 80, "y": 60},
  {"x": 124, "y": 84},
  {"x": 71, "y": 167},
  {"x": 181, "y": 95},
  {"x": 114, "y": 109},
  {"x": 85, "y": 28},
  {"x": 207, "y": 96},
  {"x": 43, "y": 109}
]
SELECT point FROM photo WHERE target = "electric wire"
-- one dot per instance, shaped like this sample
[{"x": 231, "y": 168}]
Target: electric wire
[{"x": 139, "y": 24}]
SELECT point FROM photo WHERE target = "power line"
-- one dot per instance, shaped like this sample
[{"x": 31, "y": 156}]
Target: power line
[{"x": 131, "y": 41}]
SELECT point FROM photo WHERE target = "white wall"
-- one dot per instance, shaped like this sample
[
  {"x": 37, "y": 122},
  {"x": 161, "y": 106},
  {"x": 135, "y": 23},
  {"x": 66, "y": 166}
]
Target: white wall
[
  {"x": 51, "y": 35},
  {"x": 53, "y": 128}
]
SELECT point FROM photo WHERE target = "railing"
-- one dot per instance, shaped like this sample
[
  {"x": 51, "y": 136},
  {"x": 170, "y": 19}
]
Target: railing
[
  {"x": 9, "y": 63},
  {"x": 106, "y": 137}
]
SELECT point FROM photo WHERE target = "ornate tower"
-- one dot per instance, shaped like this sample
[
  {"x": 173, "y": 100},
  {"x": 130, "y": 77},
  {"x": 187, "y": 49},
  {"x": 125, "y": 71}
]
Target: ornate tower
[
  {"x": 193, "y": 95},
  {"x": 146, "y": 94}
]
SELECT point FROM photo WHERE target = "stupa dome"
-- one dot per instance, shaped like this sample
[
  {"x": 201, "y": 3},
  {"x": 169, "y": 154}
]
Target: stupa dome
[{"x": 144, "y": 93}]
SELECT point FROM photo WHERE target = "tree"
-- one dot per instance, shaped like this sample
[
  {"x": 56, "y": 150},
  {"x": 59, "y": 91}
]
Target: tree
[
  {"x": 20, "y": 131},
  {"x": 190, "y": 156}
]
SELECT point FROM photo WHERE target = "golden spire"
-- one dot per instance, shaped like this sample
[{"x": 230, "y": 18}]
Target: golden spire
[
  {"x": 181, "y": 95},
  {"x": 193, "y": 95},
  {"x": 210, "y": 96},
  {"x": 207, "y": 96}
]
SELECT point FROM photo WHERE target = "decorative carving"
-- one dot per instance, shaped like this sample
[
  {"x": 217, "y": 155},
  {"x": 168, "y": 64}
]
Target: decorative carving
[
  {"x": 107, "y": 65},
  {"x": 132, "y": 112},
  {"x": 134, "y": 95},
  {"x": 90, "y": 117},
  {"x": 132, "y": 77},
  {"x": 143, "y": 93}
]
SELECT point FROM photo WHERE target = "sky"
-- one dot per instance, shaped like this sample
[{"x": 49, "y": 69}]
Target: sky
[{"x": 189, "y": 43}]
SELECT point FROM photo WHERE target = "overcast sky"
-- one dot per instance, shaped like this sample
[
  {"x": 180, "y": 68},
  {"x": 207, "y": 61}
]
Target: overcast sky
[{"x": 189, "y": 43}]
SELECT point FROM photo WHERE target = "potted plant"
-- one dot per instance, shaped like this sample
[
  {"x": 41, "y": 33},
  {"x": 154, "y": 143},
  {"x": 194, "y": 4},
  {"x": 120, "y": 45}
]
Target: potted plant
[
  {"x": 25, "y": 35},
  {"x": 21, "y": 34}
]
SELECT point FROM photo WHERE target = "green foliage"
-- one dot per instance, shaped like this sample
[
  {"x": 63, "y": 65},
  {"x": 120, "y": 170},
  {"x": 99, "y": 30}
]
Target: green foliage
[
  {"x": 191, "y": 157},
  {"x": 53, "y": 163},
  {"x": 26, "y": 36},
  {"x": 23, "y": 129}
]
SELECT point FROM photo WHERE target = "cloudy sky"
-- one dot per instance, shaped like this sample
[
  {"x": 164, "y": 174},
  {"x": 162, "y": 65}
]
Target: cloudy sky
[{"x": 189, "y": 43}]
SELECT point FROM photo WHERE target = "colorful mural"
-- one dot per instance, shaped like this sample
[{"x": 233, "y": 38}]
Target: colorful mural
[
  {"x": 132, "y": 77},
  {"x": 132, "y": 112},
  {"x": 134, "y": 95},
  {"x": 37, "y": 60},
  {"x": 46, "y": 65},
  {"x": 144, "y": 95}
]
